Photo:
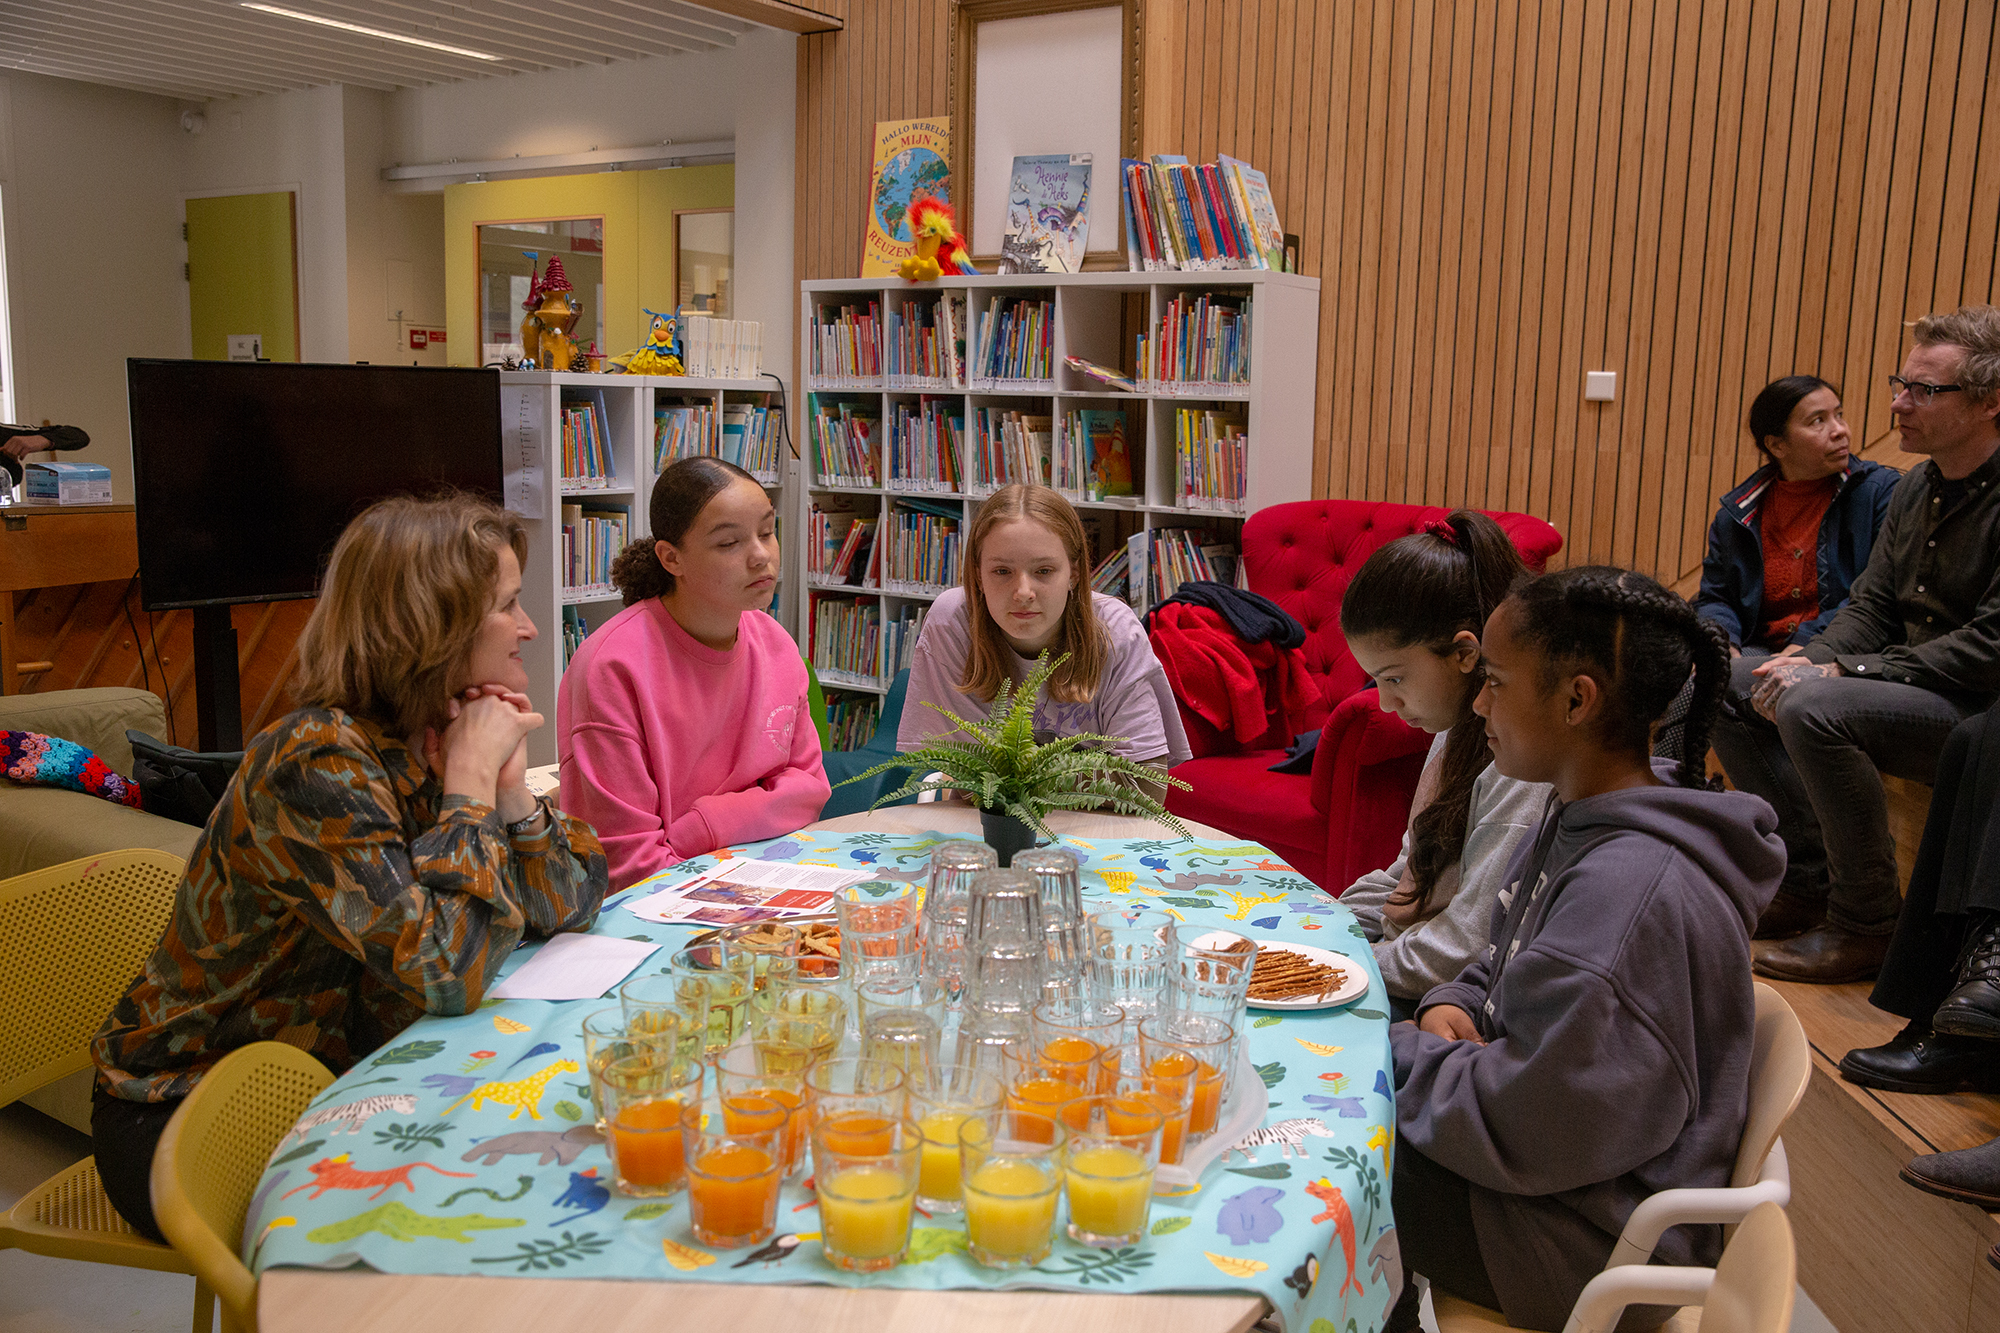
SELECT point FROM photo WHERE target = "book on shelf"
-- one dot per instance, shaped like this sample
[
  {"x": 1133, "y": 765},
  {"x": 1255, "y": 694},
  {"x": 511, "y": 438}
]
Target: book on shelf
[
  {"x": 1199, "y": 341},
  {"x": 846, "y": 635},
  {"x": 750, "y": 439},
  {"x": 923, "y": 343},
  {"x": 1198, "y": 216},
  {"x": 574, "y": 628},
  {"x": 1109, "y": 574},
  {"x": 851, "y": 719},
  {"x": 722, "y": 349},
  {"x": 684, "y": 430},
  {"x": 586, "y": 441},
  {"x": 912, "y": 157},
  {"x": 840, "y": 537},
  {"x": 922, "y": 546},
  {"x": 1211, "y": 458},
  {"x": 593, "y": 533},
  {"x": 844, "y": 435},
  {"x": 1160, "y": 560},
  {"x": 1048, "y": 214},
  {"x": 1009, "y": 446},
  {"x": 847, "y": 343},
  {"x": 926, "y": 440},
  {"x": 1093, "y": 458},
  {"x": 1102, "y": 374},
  {"x": 1017, "y": 340},
  {"x": 899, "y": 639}
]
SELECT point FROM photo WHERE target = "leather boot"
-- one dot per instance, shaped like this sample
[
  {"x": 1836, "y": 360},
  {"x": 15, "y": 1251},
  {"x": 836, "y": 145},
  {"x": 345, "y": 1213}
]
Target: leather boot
[
  {"x": 1825, "y": 955},
  {"x": 1973, "y": 1009},
  {"x": 1787, "y": 915},
  {"x": 1919, "y": 1060},
  {"x": 1971, "y": 1175}
]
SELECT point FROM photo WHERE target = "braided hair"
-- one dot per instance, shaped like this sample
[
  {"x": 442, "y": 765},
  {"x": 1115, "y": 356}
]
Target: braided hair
[
  {"x": 1640, "y": 643},
  {"x": 1423, "y": 590}
]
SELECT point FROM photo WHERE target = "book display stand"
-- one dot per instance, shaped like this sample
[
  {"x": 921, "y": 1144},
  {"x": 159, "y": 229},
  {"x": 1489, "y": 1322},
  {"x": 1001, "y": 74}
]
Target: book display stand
[
  {"x": 919, "y": 400},
  {"x": 581, "y": 453}
]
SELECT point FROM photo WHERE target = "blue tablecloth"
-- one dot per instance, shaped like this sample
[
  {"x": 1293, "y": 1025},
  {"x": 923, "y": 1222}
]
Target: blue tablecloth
[{"x": 392, "y": 1168}]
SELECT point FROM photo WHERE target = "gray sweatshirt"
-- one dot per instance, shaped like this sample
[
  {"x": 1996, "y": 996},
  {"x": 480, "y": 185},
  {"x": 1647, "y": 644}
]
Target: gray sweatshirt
[
  {"x": 1504, "y": 811},
  {"x": 1615, "y": 999}
]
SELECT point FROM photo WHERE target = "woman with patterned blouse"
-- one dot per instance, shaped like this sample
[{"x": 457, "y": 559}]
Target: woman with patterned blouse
[{"x": 378, "y": 855}]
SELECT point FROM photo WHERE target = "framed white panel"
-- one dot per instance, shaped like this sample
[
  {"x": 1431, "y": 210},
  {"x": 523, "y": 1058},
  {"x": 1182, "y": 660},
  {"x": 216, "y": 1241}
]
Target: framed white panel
[{"x": 1046, "y": 84}]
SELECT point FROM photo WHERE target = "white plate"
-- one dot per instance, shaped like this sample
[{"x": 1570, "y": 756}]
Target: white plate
[{"x": 1356, "y": 985}]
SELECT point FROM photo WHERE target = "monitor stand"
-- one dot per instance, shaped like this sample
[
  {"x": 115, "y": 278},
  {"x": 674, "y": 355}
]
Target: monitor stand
[{"x": 218, "y": 695}]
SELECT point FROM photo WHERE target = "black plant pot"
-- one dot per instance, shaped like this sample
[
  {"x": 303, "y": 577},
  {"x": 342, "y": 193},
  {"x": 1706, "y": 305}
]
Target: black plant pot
[{"x": 1006, "y": 834}]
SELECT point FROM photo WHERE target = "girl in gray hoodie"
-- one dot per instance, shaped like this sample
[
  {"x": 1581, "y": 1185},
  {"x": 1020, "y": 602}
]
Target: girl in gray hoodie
[{"x": 1599, "y": 1049}]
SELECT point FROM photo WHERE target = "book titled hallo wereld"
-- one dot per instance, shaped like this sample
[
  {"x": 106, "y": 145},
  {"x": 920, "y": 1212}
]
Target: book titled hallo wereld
[{"x": 912, "y": 157}]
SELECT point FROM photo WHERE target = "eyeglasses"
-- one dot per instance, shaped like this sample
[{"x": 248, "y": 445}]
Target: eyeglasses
[{"x": 1920, "y": 393}]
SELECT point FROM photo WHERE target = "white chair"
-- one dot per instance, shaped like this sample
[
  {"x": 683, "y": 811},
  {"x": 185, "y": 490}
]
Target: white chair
[
  {"x": 1780, "y": 1067},
  {"x": 1750, "y": 1291}
]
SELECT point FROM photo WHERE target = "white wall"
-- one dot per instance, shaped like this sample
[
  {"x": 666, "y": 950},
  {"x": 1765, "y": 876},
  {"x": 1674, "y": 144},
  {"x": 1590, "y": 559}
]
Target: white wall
[
  {"x": 90, "y": 190},
  {"x": 395, "y": 248}
]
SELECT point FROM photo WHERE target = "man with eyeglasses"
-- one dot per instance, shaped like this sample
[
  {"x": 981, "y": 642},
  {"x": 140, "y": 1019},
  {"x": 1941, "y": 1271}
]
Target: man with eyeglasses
[{"x": 1914, "y": 652}]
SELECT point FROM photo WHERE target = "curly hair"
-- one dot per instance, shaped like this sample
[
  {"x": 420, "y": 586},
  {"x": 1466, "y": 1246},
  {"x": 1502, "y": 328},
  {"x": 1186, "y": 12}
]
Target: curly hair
[
  {"x": 1639, "y": 642},
  {"x": 1422, "y": 591}
]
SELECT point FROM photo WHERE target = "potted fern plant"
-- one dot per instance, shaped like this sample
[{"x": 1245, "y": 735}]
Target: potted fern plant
[{"x": 1016, "y": 782}]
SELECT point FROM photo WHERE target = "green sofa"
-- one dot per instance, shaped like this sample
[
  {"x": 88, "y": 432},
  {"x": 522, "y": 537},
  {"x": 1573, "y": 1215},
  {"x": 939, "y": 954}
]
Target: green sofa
[{"x": 45, "y": 826}]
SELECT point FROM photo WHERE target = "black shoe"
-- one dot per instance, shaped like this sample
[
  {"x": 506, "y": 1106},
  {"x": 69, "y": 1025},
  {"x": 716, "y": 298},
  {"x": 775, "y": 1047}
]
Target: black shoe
[
  {"x": 1919, "y": 1060},
  {"x": 1971, "y": 1175},
  {"x": 1789, "y": 915},
  {"x": 1406, "y": 1316},
  {"x": 1973, "y": 1009}
]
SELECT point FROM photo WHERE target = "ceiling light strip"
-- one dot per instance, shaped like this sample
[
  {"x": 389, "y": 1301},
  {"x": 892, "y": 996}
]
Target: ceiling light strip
[{"x": 366, "y": 31}]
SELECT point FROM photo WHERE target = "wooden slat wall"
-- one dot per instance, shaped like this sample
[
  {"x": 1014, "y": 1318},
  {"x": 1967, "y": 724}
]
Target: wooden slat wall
[{"x": 1698, "y": 194}]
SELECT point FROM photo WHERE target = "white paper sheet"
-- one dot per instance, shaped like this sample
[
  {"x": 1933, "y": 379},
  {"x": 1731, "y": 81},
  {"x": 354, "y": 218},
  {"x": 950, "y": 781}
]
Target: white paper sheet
[
  {"x": 574, "y": 967},
  {"x": 740, "y": 891}
]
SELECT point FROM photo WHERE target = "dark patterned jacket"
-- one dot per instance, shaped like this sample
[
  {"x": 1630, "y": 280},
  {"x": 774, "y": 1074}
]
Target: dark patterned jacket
[{"x": 335, "y": 895}]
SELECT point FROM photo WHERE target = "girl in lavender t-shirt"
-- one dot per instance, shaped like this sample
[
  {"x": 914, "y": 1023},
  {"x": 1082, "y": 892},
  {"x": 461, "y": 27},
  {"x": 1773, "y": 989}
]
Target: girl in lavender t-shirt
[{"x": 1024, "y": 591}]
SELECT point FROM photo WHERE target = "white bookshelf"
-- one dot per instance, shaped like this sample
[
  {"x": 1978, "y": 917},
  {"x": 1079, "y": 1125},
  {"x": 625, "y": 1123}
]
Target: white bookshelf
[
  {"x": 1091, "y": 321},
  {"x": 531, "y": 405}
]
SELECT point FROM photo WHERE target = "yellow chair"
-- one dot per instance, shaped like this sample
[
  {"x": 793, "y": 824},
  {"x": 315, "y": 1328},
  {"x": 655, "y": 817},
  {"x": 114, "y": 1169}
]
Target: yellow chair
[
  {"x": 215, "y": 1148},
  {"x": 1780, "y": 1068},
  {"x": 72, "y": 937}
]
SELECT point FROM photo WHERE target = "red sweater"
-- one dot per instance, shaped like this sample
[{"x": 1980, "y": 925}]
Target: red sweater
[{"x": 1789, "y": 525}]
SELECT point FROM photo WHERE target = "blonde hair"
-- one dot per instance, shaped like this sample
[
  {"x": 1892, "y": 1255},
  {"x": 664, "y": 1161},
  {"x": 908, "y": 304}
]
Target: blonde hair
[
  {"x": 406, "y": 589},
  {"x": 1079, "y": 634},
  {"x": 1974, "y": 329}
]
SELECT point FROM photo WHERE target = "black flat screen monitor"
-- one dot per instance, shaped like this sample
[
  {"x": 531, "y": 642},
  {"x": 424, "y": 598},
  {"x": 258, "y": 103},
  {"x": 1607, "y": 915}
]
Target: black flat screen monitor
[{"x": 246, "y": 472}]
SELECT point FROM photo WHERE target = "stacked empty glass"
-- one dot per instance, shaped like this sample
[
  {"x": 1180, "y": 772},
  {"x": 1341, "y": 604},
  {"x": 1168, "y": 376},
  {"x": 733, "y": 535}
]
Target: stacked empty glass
[
  {"x": 1063, "y": 926},
  {"x": 947, "y": 903}
]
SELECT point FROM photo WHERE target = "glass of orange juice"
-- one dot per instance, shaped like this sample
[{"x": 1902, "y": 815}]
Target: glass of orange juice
[
  {"x": 1071, "y": 1035},
  {"x": 643, "y": 1100},
  {"x": 853, "y": 1102},
  {"x": 1040, "y": 1087},
  {"x": 742, "y": 1071},
  {"x": 942, "y": 1097},
  {"x": 1176, "y": 1045},
  {"x": 866, "y": 1198},
  {"x": 1010, "y": 1167},
  {"x": 1114, "y": 1146},
  {"x": 735, "y": 1159}
]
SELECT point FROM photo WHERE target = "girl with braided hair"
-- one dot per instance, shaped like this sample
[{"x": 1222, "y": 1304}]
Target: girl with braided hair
[
  {"x": 1412, "y": 616},
  {"x": 1599, "y": 1049}
]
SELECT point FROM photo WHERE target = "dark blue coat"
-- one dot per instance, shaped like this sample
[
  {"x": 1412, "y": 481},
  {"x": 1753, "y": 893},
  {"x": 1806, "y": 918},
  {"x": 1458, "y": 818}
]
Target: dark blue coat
[{"x": 1732, "y": 570}]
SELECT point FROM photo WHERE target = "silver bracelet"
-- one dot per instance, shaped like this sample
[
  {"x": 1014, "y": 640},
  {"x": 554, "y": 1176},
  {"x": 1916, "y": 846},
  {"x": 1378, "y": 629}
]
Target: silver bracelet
[{"x": 519, "y": 828}]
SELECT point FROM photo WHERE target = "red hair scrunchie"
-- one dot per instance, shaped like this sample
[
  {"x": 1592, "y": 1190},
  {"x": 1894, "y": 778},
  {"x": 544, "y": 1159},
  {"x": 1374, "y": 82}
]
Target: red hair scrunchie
[{"x": 1442, "y": 530}]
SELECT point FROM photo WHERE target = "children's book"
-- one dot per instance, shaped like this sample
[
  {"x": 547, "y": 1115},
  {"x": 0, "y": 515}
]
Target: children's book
[
  {"x": 912, "y": 157},
  {"x": 1048, "y": 219},
  {"x": 1108, "y": 457},
  {"x": 1269, "y": 236}
]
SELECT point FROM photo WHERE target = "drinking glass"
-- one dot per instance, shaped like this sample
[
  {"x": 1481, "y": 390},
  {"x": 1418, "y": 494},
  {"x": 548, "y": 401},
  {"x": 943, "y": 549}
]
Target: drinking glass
[
  {"x": 1114, "y": 1147},
  {"x": 853, "y": 1102},
  {"x": 866, "y": 1198},
  {"x": 771, "y": 945},
  {"x": 940, "y": 1099},
  {"x": 878, "y": 932},
  {"x": 947, "y": 900},
  {"x": 1129, "y": 947},
  {"x": 1072, "y": 1035},
  {"x": 984, "y": 1040},
  {"x": 1003, "y": 970},
  {"x": 728, "y": 971},
  {"x": 1010, "y": 1168},
  {"x": 658, "y": 1002},
  {"x": 735, "y": 1157},
  {"x": 1003, "y": 902},
  {"x": 1181, "y": 1045},
  {"x": 742, "y": 1071},
  {"x": 793, "y": 1026},
  {"x": 641, "y": 1100},
  {"x": 1058, "y": 878},
  {"x": 1210, "y": 974},
  {"x": 1035, "y": 1085},
  {"x": 901, "y": 1021},
  {"x": 606, "y": 1037}
]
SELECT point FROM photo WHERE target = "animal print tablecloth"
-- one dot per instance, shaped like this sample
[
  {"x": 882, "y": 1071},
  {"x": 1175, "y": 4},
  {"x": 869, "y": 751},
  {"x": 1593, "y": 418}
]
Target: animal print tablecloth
[{"x": 393, "y": 1167}]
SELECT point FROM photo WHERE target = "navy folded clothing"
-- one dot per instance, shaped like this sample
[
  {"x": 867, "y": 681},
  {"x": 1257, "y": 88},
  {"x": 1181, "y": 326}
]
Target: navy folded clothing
[{"x": 1299, "y": 754}]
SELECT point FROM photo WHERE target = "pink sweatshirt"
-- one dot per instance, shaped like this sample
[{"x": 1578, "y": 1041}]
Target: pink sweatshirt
[{"x": 671, "y": 749}]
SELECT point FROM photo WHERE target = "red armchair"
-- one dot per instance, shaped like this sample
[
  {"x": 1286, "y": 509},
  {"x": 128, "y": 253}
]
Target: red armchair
[{"x": 1346, "y": 818}]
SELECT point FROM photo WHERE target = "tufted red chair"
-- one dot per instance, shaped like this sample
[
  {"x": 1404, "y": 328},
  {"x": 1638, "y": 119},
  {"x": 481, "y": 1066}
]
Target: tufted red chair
[{"x": 1347, "y": 818}]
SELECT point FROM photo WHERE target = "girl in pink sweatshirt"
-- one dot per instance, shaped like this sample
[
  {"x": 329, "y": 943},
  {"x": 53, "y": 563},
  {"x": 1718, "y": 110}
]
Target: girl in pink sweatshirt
[{"x": 683, "y": 723}]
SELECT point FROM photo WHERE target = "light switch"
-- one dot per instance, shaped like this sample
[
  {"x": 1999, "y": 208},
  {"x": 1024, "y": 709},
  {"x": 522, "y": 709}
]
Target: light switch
[{"x": 1600, "y": 386}]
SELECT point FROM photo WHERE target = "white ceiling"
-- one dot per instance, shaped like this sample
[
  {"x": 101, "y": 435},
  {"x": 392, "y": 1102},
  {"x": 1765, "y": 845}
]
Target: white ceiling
[{"x": 203, "y": 49}]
